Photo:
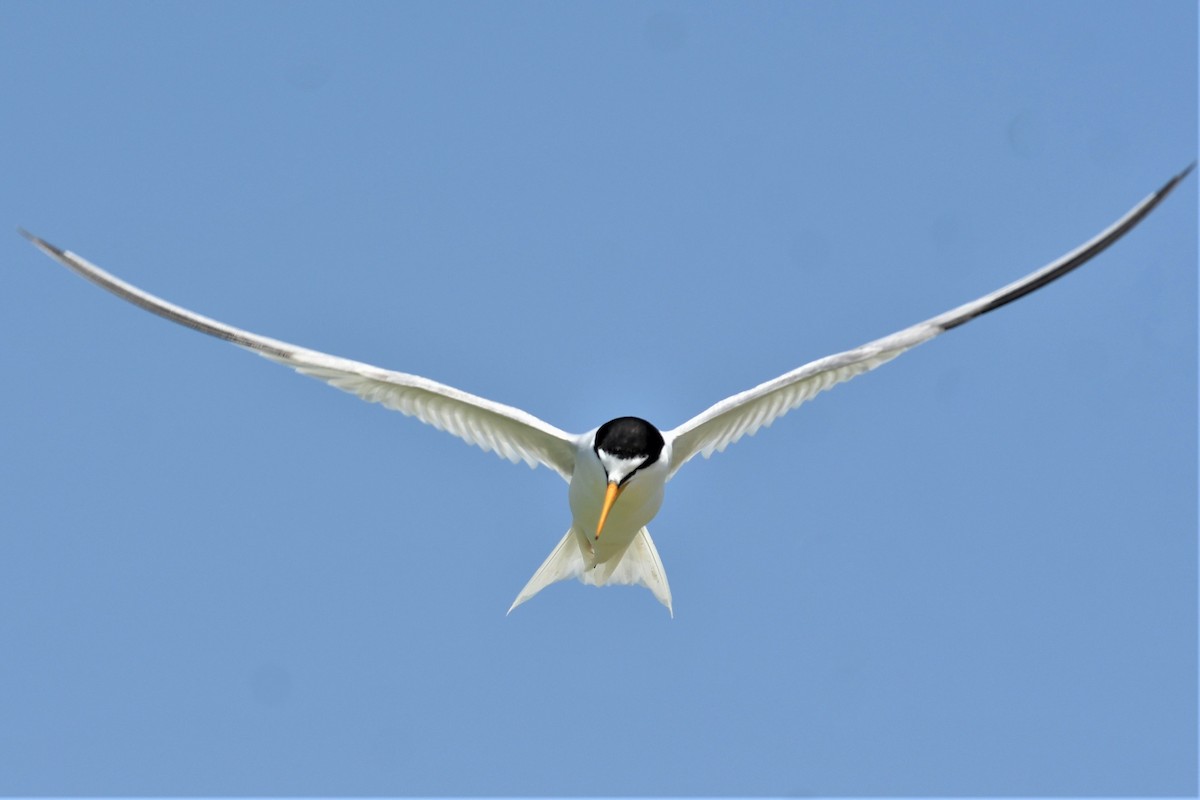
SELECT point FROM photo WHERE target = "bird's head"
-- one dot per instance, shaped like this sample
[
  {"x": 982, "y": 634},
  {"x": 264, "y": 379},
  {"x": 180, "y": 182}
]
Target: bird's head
[{"x": 625, "y": 446}]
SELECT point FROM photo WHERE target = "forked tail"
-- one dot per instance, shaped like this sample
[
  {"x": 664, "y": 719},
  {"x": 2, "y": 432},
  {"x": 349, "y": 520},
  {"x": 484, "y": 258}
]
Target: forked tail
[{"x": 639, "y": 565}]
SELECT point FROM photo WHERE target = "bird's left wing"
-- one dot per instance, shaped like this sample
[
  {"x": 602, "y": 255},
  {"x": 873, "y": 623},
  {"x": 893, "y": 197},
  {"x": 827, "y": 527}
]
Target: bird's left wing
[
  {"x": 510, "y": 432},
  {"x": 744, "y": 413}
]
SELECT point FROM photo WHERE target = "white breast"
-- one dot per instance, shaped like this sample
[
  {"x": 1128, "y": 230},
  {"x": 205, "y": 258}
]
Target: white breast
[{"x": 639, "y": 502}]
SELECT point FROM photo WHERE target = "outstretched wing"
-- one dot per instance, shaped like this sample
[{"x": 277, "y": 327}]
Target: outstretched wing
[
  {"x": 742, "y": 414},
  {"x": 510, "y": 432}
]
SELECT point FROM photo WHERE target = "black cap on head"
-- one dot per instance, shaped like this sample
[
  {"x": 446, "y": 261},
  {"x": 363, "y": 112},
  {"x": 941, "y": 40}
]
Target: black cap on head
[{"x": 630, "y": 437}]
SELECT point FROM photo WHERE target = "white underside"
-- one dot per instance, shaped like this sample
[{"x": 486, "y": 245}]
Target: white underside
[{"x": 638, "y": 565}]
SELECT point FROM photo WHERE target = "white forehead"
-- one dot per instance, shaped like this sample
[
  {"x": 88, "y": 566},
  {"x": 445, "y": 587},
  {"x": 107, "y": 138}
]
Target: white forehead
[{"x": 618, "y": 468}]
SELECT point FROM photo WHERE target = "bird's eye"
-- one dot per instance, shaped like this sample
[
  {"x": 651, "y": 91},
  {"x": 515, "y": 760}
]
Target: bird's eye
[{"x": 631, "y": 473}]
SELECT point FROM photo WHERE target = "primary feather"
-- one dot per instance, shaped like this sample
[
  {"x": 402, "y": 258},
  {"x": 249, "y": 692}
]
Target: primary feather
[
  {"x": 745, "y": 413},
  {"x": 494, "y": 427}
]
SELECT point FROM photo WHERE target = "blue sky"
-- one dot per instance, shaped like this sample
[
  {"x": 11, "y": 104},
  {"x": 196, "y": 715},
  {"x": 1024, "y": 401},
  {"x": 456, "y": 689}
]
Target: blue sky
[{"x": 970, "y": 572}]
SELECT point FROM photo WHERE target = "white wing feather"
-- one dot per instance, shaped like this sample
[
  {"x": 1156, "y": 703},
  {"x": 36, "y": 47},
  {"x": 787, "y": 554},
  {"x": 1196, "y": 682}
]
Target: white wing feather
[
  {"x": 747, "y": 412},
  {"x": 509, "y": 432}
]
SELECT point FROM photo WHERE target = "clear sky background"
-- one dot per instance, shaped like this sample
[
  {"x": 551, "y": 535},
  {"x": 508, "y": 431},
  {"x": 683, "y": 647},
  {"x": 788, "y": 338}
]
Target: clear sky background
[{"x": 970, "y": 572}]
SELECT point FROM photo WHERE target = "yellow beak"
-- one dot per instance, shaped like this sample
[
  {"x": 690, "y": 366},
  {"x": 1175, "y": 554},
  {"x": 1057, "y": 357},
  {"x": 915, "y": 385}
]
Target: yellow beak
[{"x": 610, "y": 497}]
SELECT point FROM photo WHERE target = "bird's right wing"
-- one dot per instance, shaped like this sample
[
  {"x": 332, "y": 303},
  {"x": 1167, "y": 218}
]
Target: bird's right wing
[
  {"x": 510, "y": 432},
  {"x": 747, "y": 412}
]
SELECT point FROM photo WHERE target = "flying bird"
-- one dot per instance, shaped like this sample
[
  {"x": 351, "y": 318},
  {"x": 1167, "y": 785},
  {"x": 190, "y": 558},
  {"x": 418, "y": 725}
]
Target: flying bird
[{"x": 617, "y": 472}]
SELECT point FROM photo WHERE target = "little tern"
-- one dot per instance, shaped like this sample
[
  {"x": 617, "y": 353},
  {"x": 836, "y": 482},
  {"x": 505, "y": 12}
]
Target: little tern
[{"x": 618, "y": 471}]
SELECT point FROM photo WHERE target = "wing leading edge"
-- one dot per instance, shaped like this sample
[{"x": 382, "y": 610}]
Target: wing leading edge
[
  {"x": 745, "y": 413},
  {"x": 509, "y": 432}
]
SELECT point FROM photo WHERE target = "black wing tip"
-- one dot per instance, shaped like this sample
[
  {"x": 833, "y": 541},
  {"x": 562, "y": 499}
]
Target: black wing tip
[
  {"x": 41, "y": 243},
  {"x": 1065, "y": 265},
  {"x": 1171, "y": 184},
  {"x": 1153, "y": 200}
]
